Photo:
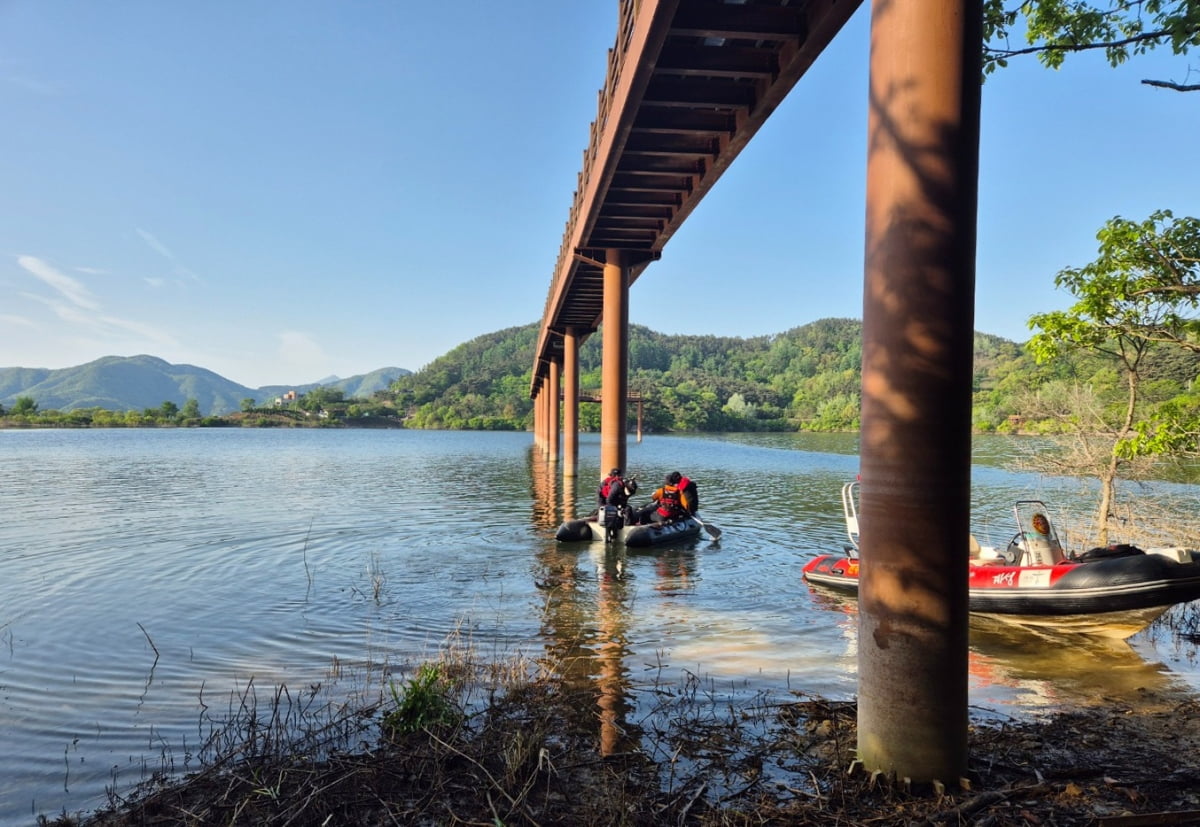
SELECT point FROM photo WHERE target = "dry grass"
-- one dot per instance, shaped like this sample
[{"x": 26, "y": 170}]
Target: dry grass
[{"x": 536, "y": 751}]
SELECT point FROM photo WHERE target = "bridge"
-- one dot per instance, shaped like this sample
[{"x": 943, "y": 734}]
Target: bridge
[{"x": 688, "y": 84}]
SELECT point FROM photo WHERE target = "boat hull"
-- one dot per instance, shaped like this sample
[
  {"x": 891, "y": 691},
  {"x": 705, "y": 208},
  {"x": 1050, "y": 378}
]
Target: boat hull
[
  {"x": 1115, "y": 597},
  {"x": 634, "y": 536}
]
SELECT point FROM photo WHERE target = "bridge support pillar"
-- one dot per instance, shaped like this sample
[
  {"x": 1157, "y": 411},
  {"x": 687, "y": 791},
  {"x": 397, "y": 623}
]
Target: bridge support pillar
[
  {"x": 918, "y": 336},
  {"x": 614, "y": 370},
  {"x": 570, "y": 404},
  {"x": 552, "y": 409},
  {"x": 537, "y": 419},
  {"x": 540, "y": 419}
]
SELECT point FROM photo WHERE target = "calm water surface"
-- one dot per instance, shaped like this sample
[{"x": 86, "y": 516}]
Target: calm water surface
[{"x": 149, "y": 576}]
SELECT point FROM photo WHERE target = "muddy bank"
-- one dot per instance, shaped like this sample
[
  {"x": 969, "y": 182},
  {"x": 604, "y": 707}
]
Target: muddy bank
[{"x": 538, "y": 755}]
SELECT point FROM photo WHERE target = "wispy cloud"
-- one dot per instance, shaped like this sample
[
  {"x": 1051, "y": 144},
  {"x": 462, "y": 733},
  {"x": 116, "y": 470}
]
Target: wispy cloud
[
  {"x": 18, "y": 321},
  {"x": 154, "y": 244},
  {"x": 69, "y": 288},
  {"x": 74, "y": 304},
  {"x": 157, "y": 246}
]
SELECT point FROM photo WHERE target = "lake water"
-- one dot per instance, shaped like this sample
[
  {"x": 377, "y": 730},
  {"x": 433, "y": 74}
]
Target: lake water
[{"x": 150, "y": 576}]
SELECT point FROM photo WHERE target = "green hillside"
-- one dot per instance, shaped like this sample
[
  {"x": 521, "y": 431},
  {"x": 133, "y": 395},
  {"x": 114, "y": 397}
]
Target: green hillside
[{"x": 807, "y": 378}]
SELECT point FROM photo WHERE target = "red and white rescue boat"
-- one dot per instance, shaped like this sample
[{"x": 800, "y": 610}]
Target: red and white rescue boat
[{"x": 1111, "y": 592}]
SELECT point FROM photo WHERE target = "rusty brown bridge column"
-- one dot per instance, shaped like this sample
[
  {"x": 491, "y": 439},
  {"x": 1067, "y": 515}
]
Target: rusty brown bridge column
[
  {"x": 537, "y": 418},
  {"x": 570, "y": 384},
  {"x": 552, "y": 409},
  {"x": 540, "y": 419},
  {"x": 918, "y": 334},
  {"x": 614, "y": 370}
]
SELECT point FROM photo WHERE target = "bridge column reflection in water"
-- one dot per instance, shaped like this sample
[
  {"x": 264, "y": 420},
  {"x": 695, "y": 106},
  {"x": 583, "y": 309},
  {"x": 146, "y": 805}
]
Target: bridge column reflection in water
[
  {"x": 586, "y": 616},
  {"x": 545, "y": 491}
]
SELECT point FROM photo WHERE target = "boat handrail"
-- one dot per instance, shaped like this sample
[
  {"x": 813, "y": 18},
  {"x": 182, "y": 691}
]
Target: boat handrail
[{"x": 850, "y": 510}]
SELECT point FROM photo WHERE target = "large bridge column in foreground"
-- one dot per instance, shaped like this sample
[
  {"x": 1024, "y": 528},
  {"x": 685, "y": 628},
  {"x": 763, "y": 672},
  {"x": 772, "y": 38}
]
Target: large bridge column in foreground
[
  {"x": 918, "y": 334},
  {"x": 570, "y": 383},
  {"x": 614, "y": 370}
]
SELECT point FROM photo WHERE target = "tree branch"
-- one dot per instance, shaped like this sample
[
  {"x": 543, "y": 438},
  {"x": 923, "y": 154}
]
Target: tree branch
[
  {"x": 1083, "y": 47},
  {"x": 1178, "y": 87}
]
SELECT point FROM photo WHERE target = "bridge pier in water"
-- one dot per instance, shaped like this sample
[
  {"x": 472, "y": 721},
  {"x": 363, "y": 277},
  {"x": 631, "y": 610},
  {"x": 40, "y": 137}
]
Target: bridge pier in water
[
  {"x": 570, "y": 383},
  {"x": 614, "y": 369},
  {"x": 552, "y": 408}
]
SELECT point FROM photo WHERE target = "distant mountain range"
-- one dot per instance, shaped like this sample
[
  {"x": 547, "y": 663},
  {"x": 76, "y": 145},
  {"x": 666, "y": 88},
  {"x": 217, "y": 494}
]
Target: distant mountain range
[{"x": 121, "y": 383}]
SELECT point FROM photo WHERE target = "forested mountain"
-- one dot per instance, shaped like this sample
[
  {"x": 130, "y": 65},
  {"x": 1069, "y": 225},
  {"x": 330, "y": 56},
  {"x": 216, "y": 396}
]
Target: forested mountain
[
  {"x": 120, "y": 383},
  {"x": 807, "y": 378}
]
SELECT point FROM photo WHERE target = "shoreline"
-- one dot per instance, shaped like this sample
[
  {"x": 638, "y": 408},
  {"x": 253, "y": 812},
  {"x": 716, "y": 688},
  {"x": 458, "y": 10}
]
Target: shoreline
[{"x": 533, "y": 755}]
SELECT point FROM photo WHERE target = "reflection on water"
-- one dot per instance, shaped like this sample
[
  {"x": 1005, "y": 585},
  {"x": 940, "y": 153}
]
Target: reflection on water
[
  {"x": 145, "y": 575},
  {"x": 1017, "y": 669},
  {"x": 1009, "y": 666}
]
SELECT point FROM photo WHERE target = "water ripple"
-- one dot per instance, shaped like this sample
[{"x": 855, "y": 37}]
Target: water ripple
[{"x": 149, "y": 577}]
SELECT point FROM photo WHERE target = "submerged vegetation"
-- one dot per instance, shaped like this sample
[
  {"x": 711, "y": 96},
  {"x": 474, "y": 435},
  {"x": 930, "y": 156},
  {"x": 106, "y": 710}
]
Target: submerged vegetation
[{"x": 517, "y": 743}]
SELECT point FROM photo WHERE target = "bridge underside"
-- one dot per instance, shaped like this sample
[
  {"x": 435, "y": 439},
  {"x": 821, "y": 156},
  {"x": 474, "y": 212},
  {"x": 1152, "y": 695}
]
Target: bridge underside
[{"x": 688, "y": 85}]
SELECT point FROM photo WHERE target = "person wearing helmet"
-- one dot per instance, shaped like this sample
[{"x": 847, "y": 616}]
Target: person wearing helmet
[
  {"x": 675, "y": 499},
  {"x": 612, "y": 487},
  {"x": 613, "y": 511}
]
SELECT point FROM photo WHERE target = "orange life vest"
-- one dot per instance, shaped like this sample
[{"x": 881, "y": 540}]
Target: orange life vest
[{"x": 670, "y": 501}]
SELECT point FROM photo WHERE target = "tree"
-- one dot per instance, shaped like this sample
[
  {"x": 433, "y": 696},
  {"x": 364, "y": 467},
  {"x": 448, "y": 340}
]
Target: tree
[
  {"x": 24, "y": 406},
  {"x": 1121, "y": 28},
  {"x": 168, "y": 410},
  {"x": 191, "y": 410},
  {"x": 1139, "y": 294},
  {"x": 247, "y": 405},
  {"x": 321, "y": 397}
]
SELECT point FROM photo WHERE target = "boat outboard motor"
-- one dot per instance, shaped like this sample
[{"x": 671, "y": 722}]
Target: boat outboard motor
[{"x": 612, "y": 517}]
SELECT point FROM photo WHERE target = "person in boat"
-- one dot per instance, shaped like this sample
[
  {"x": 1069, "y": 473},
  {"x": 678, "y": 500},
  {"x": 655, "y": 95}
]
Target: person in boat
[
  {"x": 676, "y": 499},
  {"x": 612, "y": 489},
  {"x": 1042, "y": 533},
  {"x": 1040, "y": 524},
  {"x": 615, "y": 490},
  {"x": 1041, "y": 544}
]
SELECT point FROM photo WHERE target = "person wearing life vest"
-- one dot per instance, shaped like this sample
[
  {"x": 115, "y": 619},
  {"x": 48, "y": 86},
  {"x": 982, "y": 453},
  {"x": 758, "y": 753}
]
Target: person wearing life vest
[
  {"x": 612, "y": 489},
  {"x": 675, "y": 499}
]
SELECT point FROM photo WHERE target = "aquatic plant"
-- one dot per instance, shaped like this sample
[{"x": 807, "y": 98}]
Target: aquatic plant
[{"x": 425, "y": 703}]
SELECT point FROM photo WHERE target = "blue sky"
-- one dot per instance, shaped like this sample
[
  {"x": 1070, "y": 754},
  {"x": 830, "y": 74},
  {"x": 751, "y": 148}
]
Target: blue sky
[{"x": 281, "y": 191}]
